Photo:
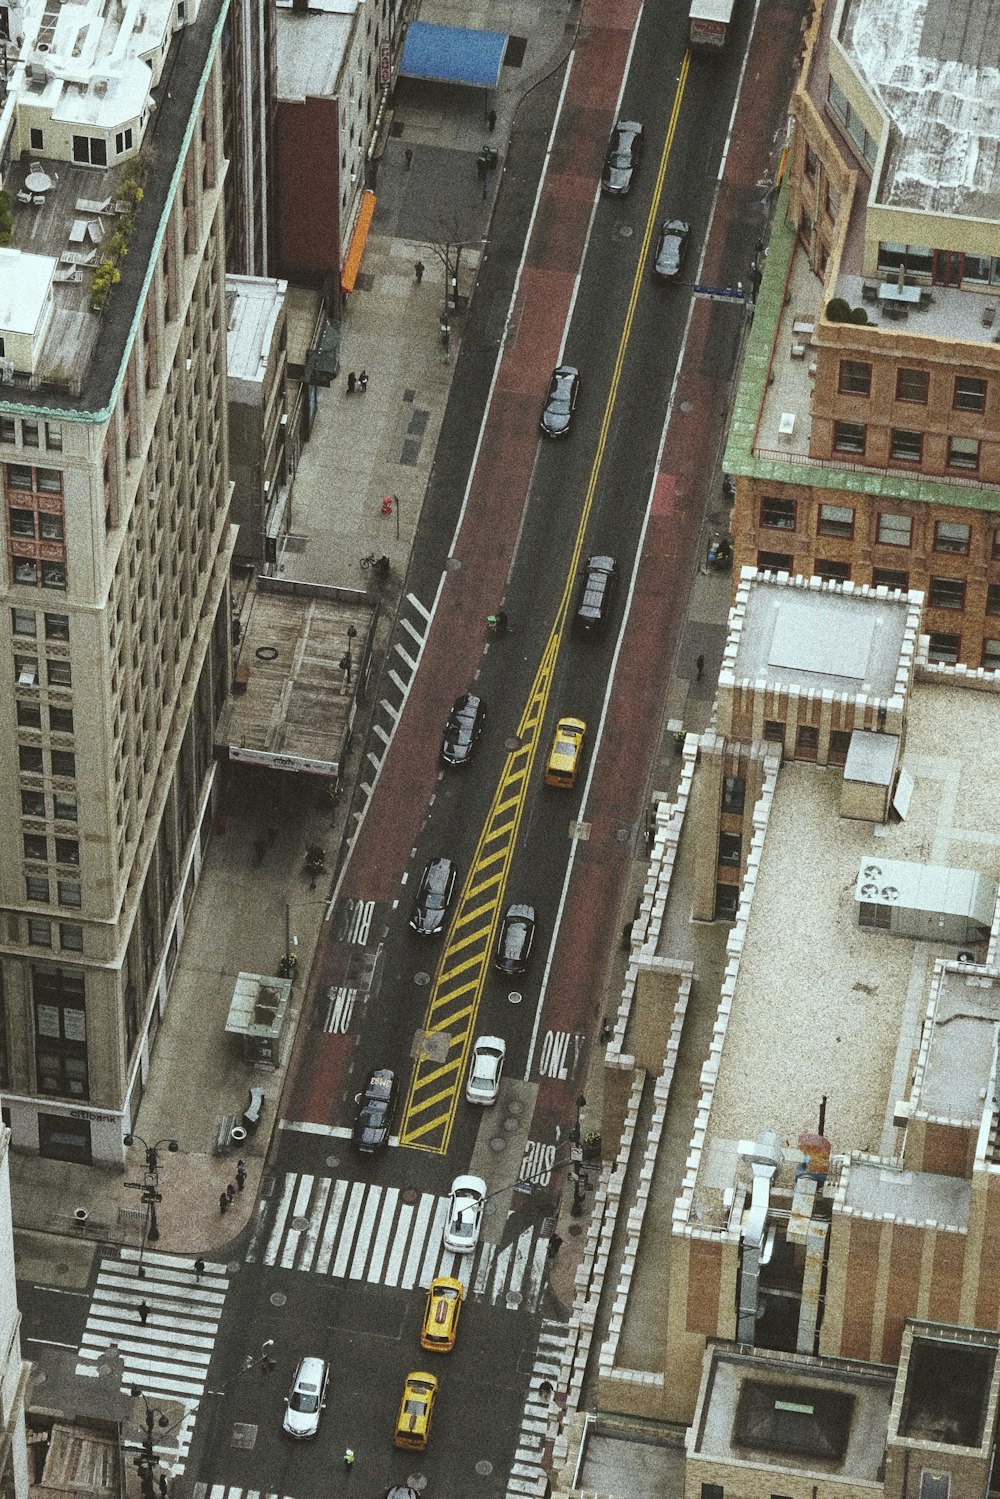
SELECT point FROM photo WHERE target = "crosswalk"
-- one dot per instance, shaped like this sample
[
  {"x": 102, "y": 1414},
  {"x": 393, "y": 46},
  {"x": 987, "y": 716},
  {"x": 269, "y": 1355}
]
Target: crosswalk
[
  {"x": 167, "y": 1355},
  {"x": 527, "y": 1475},
  {"x": 359, "y": 1231}
]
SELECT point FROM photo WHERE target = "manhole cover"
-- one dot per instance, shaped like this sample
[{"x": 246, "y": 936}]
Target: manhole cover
[
  {"x": 515, "y": 1107},
  {"x": 574, "y": 1230},
  {"x": 484, "y": 1468},
  {"x": 409, "y": 1194},
  {"x": 515, "y": 996},
  {"x": 421, "y": 978},
  {"x": 497, "y": 1144},
  {"x": 489, "y": 1208},
  {"x": 233, "y": 1268},
  {"x": 512, "y": 742},
  {"x": 300, "y": 1224},
  {"x": 625, "y": 231},
  {"x": 333, "y": 1161},
  {"x": 514, "y": 1299},
  {"x": 452, "y": 565},
  {"x": 245, "y": 1435},
  {"x": 624, "y": 835},
  {"x": 417, "y": 1481},
  {"x": 277, "y": 1298},
  {"x": 510, "y": 1125},
  {"x": 685, "y": 406}
]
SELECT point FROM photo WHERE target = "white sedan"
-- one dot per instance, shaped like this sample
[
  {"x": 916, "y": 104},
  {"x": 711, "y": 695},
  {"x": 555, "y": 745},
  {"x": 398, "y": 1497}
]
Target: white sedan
[
  {"x": 485, "y": 1069},
  {"x": 465, "y": 1214}
]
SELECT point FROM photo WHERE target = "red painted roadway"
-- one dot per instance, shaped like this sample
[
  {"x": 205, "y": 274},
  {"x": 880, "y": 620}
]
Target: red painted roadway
[{"x": 488, "y": 536}]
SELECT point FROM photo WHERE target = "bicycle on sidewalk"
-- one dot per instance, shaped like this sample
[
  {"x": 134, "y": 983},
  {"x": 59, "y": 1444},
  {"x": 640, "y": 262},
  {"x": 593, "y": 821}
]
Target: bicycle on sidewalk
[{"x": 379, "y": 565}]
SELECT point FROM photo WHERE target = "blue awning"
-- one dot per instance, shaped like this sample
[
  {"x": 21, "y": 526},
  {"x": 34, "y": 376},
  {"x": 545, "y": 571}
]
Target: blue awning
[{"x": 451, "y": 54}]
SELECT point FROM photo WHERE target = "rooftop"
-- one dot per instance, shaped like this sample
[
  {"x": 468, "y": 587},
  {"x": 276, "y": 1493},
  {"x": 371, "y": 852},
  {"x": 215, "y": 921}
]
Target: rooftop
[
  {"x": 845, "y": 1002},
  {"x": 253, "y": 307},
  {"x": 312, "y": 46}
]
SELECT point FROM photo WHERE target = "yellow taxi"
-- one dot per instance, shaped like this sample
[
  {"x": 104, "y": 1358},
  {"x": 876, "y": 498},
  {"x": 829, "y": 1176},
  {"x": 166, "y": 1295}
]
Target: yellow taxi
[
  {"x": 566, "y": 753},
  {"x": 413, "y": 1424},
  {"x": 444, "y": 1302}
]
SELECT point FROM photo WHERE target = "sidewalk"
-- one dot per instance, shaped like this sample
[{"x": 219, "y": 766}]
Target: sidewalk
[{"x": 362, "y": 447}]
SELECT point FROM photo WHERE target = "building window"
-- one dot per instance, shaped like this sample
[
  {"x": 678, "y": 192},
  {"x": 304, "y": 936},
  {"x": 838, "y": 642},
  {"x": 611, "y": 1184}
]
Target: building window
[
  {"x": 806, "y": 742},
  {"x": 774, "y": 562},
  {"x": 19, "y": 476},
  {"x": 895, "y": 530},
  {"x": 71, "y": 936},
  {"x": 59, "y": 673},
  {"x": 812, "y": 162},
  {"x": 29, "y": 434},
  {"x": 947, "y": 593},
  {"x": 63, "y": 763},
  {"x": 29, "y": 715},
  {"x": 53, "y": 575},
  {"x": 727, "y": 899},
  {"x": 730, "y": 849},
  {"x": 67, "y": 851},
  {"x": 57, "y": 626},
  {"x": 123, "y": 141},
  {"x": 855, "y": 378},
  {"x": 777, "y": 514},
  {"x": 53, "y": 437},
  {"x": 36, "y": 888},
  {"x": 64, "y": 806},
  {"x": 50, "y": 527},
  {"x": 888, "y": 577},
  {"x": 963, "y": 452},
  {"x": 774, "y": 732},
  {"x": 49, "y": 480},
  {"x": 832, "y": 201},
  {"x": 991, "y": 655},
  {"x": 23, "y": 621},
  {"x": 32, "y": 804},
  {"x": 840, "y": 743},
  {"x": 843, "y": 109},
  {"x": 837, "y": 572},
  {"x": 944, "y": 648},
  {"x": 36, "y": 846},
  {"x": 8, "y": 429},
  {"x": 906, "y": 447},
  {"x": 970, "y": 394},
  {"x": 25, "y": 571},
  {"x": 734, "y": 790},
  {"x": 90, "y": 151},
  {"x": 70, "y": 893},
  {"x": 916, "y": 258},
  {"x": 993, "y": 599},
  {"x": 22, "y": 522},
  {"x": 37, "y": 139},
  {"x": 848, "y": 437},
  {"x": 836, "y": 520},
  {"x": 61, "y": 720},
  {"x": 39, "y": 932},
  {"x": 60, "y": 1030},
  {"x": 29, "y": 758},
  {"x": 912, "y": 385},
  {"x": 951, "y": 536}
]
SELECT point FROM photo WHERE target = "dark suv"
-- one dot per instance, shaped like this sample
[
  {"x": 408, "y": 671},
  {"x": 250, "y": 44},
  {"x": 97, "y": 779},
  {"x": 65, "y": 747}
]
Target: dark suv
[
  {"x": 434, "y": 893},
  {"x": 600, "y": 579}
]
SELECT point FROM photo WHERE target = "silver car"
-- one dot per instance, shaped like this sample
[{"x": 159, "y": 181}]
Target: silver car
[
  {"x": 465, "y": 1214},
  {"x": 485, "y": 1069}
]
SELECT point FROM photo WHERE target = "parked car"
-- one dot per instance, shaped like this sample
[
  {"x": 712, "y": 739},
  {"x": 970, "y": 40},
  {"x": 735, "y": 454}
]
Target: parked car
[
  {"x": 462, "y": 731},
  {"x": 563, "y": 764},
  {"x": 622, "y": 160},
  {"x": 434, "y": 893},
  {"x": 597, "y": 594},
  {"x": 560, "y": 402},
  {"x": 465, "y": 1214},
  {"x": 671, "y": 250},
  {"x": 441, "y": 1312},
  {"x": 376, "y": 1109},
  {"x": 515, "y": 940},
  {"x": 485, "y": 1069},
  {"x": 413, "y": 1424},
  {"x": 307, "y": 1400}
]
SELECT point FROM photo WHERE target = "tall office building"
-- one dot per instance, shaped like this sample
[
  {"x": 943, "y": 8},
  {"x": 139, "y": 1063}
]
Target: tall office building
[
  {"x": 249, "y": 53},
  {"x": 114, "y": 626}
]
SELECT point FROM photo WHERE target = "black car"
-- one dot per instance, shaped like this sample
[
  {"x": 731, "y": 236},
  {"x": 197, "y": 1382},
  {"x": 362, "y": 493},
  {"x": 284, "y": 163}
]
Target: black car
[
  {"x": 434, "y": 893},
  {"x": 600, "y": 580},
  {"x": 462, "y": 731},
  {"x": 376, "y": 1109},
  {"x": 517, "y": 935},
  {"x": 560, "y": 403},
  {"x": 623, "y": 158},
  {"x": 671, "y": 249}
]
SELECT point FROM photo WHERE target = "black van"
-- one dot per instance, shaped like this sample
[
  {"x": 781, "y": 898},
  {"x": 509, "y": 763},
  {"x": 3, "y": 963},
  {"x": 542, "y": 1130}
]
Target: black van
[{"x": 600, "y": 579}]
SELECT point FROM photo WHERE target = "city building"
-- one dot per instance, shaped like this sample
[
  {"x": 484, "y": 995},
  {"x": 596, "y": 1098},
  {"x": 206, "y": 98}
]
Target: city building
[
  {"x": 257, "y": 365},
  {"x": 836, "y": 1174},
  {"x": 864, "y": 441},
  {"x": 333, "y": 71},
  {"x": 14, "y": 1371},
  {"x": 249, "y": 61},
  {"x": 115, "y": 624}
]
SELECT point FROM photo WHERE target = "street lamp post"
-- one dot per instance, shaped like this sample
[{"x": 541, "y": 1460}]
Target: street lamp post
[
  {"x": 150, "y": 1185},
  {"x": 144, "y": 1462},
  {"x": 574, "y": 1134}
]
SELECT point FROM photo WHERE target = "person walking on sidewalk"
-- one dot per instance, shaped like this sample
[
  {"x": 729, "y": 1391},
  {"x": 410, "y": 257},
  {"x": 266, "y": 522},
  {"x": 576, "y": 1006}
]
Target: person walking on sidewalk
[
  {"x": 352, "y": 381},
  {"x": 199, "y": 1270},
  {"x": 555, "y": 1244},
  {"x": 241, "y": 1174},
  {"x": 363, "y": 381},
  {"x": 699, "y": 667},
  {"x": 418, "y": 271},
  {"x": 144, "y": 1310},
  {"x": 348, "y": 1459},
  {"x": 491, "y": 120},
  {"x": 408, "y": 157},
  {"x": 223, "y": 1202},
  {"x": 230, "y": 1192}
]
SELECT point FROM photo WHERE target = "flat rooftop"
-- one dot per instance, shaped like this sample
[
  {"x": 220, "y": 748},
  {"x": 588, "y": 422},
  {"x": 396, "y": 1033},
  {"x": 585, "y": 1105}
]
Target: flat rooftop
[
  {"x": 822, "y": 1008},
  {"x": 837, "y": 1423},
  {"x": 312, "y": 46},
  {"x": 934, "y": 66},
  {"x": 253, "y": 306},
  {"x": 961, "y": 1040}
]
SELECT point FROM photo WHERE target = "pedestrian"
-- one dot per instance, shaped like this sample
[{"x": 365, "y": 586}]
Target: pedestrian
[
  {"x": 223, "y": 1202},
  {"x": 199, "y": 1270},
  {"x": 408, "y": 158},
  {"x": 230, "y": 1192},
  {"x": 348, "y": 1459},
  {"x": 259, "y": 850},
  {"x": 545, "y": 1389},
  {"x": 418, "y": 271},
  {"x": 241, "y": 1174},
  {"x": 144, "y": 1311},
  {"x": 352, "y": 381},
  {"x": 606, "y": 1031},
  {"x": 363, "y": 381},
  {"x": 555, "y": 1244},
  {"x": 699, "y": 667},
  {"x": 491, "y": 120},
  {"x": 163, "y": 1486}
]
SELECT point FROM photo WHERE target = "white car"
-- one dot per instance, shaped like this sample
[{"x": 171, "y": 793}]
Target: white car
[
  {"x": 465, "y": 1214},
  {"x": 485, "y": 1069},
  {"x": 307, "y": 1400}
]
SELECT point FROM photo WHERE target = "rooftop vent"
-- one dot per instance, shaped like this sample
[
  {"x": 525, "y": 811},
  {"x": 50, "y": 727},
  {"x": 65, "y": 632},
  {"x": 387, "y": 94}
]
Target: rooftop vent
[{"x": 100, "y": 87}]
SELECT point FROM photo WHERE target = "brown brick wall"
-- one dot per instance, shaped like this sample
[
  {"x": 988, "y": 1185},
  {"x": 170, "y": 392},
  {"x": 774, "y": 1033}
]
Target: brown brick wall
[
  {"x": 861, "y": 1276},
  {"x": 903, "y": 1288},
  {"x": 988, "y": 1293},
  {"x": 947, "y": 1150},
  {"x": 944, "y": 1303},
  {"x": 704, "y": 1285}
]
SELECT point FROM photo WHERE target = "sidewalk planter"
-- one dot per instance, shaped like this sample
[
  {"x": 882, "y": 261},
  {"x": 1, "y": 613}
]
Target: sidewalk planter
[{"x": 592, "y": 1146}]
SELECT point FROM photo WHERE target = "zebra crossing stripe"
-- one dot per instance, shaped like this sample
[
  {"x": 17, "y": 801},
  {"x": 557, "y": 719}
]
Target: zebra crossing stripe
[
  {"x": 360, "y": 1231},
  {"x": 527, "y": 1476}
]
